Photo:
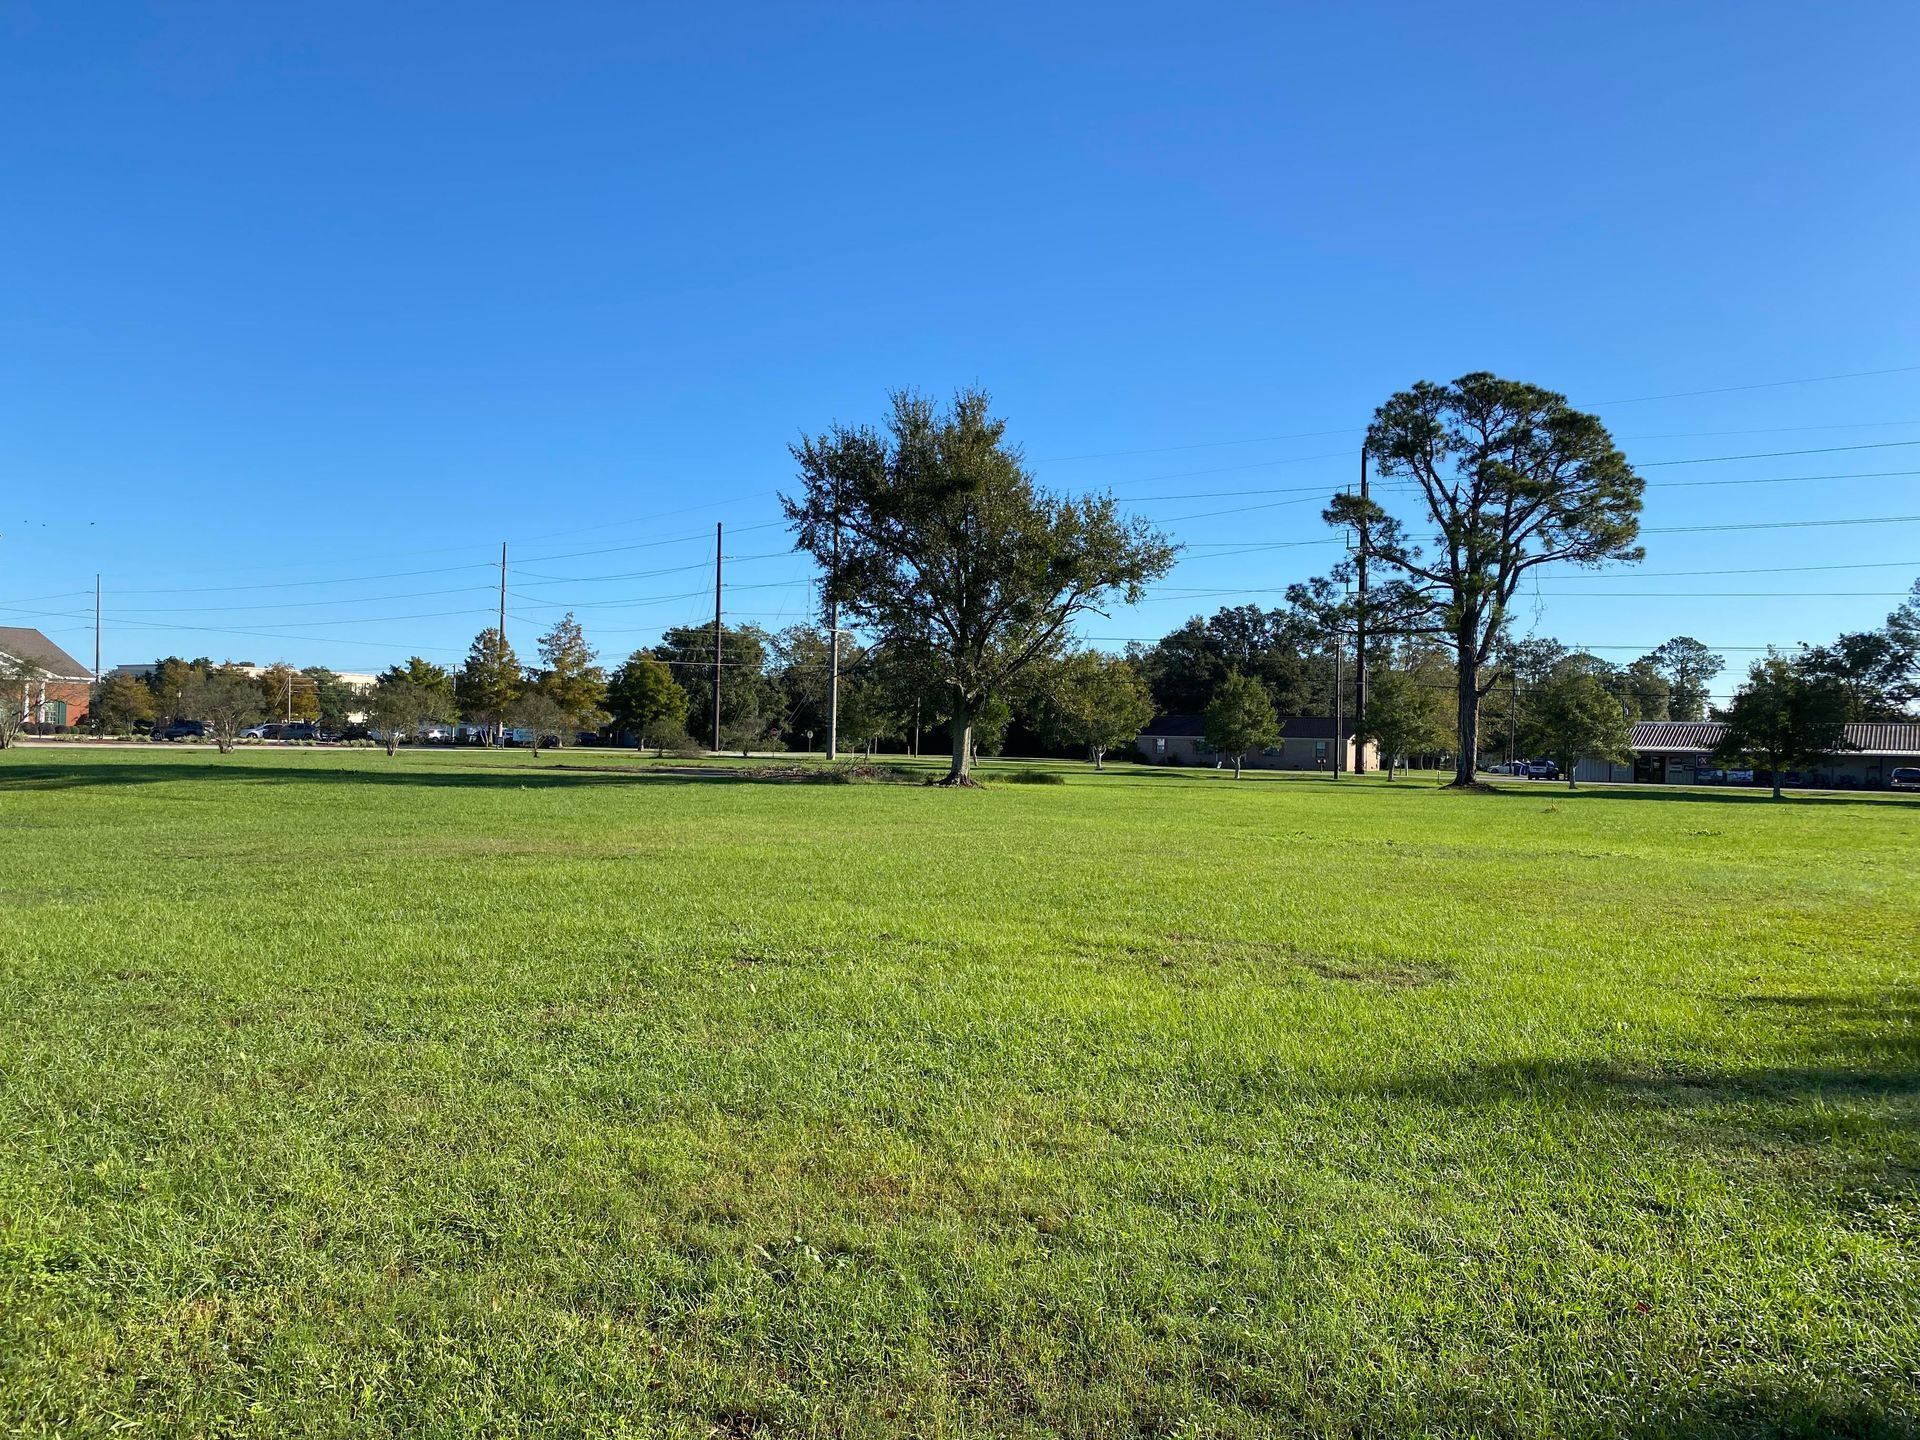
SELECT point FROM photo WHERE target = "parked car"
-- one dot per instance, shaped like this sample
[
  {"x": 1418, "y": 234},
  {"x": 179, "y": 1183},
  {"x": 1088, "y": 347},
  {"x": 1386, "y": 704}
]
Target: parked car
[
  {"x": 301, "y": 730},
  {"x": 1740, "y": 777},
  {"x": 1541, "y": 770},
  {"x": 1907, "y": 777},
  {"x": 182, "y": 730}
]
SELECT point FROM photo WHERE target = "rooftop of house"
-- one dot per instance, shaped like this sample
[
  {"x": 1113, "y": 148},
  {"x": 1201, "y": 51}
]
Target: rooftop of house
[
  {"x": 1293, "y": 727},
  {"x": 23, "y": 643},
  {"x": 1894, "y": 737}
]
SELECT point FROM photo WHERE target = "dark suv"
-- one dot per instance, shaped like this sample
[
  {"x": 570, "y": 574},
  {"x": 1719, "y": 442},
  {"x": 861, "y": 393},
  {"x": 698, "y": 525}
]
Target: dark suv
[
  {"x": 1907, "y": 777},
  {"x": 183, "y": 730}
]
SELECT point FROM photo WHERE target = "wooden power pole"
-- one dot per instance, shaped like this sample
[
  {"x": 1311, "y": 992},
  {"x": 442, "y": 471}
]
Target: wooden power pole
[
  {"x": 1360, "y": 641},
  {"x": 833, "y": 648},
  {"x": 717, "y": 532}
]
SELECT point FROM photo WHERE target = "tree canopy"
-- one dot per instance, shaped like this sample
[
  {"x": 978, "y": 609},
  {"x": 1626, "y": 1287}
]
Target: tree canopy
[
  {"x": 1688, "y": 667},
  {"x": 490, "y": 681},
  {"x": 1241, "y": 718},
  {"x": 934, "y": 537},
  {"x": 1097, "y": 701},
  {"x": 226, "y": 700},
  {"x": 568, "y": 676},
  {"x": 1404, "y": 716},
  {"x": 1573, "y": 716},
  {"x": 1783, "y": 718},
  {"x": 1510, "y": 477},
  {"x": 399, "y": 705},
  {"x": 642, "y": 696}
]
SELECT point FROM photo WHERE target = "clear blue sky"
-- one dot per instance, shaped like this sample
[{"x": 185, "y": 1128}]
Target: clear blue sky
[{"x": 297, "y": 295}]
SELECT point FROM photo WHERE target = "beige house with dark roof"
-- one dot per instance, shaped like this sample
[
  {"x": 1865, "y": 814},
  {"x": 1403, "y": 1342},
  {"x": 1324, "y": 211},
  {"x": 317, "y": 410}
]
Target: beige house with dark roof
[{"x": 1306, "y": 743}]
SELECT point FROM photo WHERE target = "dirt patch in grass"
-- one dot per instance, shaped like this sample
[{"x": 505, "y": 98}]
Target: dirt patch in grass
[{"x": 1183, "y": 948}]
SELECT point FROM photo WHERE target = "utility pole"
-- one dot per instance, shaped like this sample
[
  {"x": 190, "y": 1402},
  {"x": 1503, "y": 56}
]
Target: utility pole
[
  {"x": 1360, "y": 639},
  {"x": 500, "y": 637},
  {"x": 1339, "y": 736},
  {"x": 1513, "y": 717},
  {"x": 833, "y": 643},
  {"x": 716, "y": 635},
  {"x": 96, "y": 629}
]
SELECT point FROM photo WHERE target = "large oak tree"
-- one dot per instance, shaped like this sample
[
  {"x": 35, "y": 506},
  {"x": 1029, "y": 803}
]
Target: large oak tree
[
  {"x": 1511, "y": 478},
  {"x": 935, "y": 538}
]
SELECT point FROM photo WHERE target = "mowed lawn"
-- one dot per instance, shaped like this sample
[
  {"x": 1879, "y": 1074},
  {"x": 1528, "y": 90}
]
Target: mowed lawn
[{"x": 464, "y": 1094}]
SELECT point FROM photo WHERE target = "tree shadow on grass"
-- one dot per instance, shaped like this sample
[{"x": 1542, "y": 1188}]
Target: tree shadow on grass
[
  {"x": 1662, "y": 795},
  {"x": 41, "y": 775},
  {"x": 1844, "y": 1047}
]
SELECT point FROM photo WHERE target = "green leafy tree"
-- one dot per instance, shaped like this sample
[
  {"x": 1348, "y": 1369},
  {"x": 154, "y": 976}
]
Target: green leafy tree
[
  {"x": 935, "y": 538},
  {"x": 643, "y": 696},
  {"x": 803, "y": 667},
  {"x": 1096, "y": 701},
  {"x": 867, "y": 713},
  {"x": 750, "y": 700},
  {"x": 1784, "y": 718},
  {"x": 1279, "y": 648},
  {"x": 118, "y": 703},
  {"x": 568, "y": 675},
  {"x": 335, "y": 701},
  {"x": 1648, "y": 693},
  {"x": 1688, "y": 667},
  {"x": 1872, "y": 667},
  {"x": 489, "y": 682},
  {"x": 1241, "y": 718},
  {"x": 1404, "y": 717},
  {"x": 398, "y": 706},
  {"x": 1573, "y": 715},
  {"x": 436, "y": 679},
  {"x": 226, "y": 700},
  {"x": 170, "y": 680},
  {"x": 992, "y": 718},
  {"x": 286, "y": 693},
  {"x": 544, "y": 718},
  {"x": 1510, "y": 478}
]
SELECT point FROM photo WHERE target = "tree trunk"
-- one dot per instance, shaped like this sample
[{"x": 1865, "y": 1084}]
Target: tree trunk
[
  {"x": 1236, "y": 767},
  {"x": 1099, "y": 758},
  {"x": 393, "y": 742},
  {"x": 962, "y": 729},
  {"x": 1469, "y": 700}
]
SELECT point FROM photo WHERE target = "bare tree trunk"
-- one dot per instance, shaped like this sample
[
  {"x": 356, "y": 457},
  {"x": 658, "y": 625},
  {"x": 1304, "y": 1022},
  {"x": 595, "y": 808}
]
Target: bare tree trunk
[
  {"x": 1469, "y": 700},
  {"x": 1099, "y": 758},
  {"x": 1236, "y": 767},
  {"x": 962, "y": 729}
]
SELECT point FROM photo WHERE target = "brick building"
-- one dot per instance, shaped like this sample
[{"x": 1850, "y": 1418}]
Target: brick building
[{"x": 59, "y": 694}]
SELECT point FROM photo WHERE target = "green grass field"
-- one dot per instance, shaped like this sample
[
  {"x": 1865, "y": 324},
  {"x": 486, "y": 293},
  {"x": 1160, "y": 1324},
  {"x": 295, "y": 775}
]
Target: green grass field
[{"x": 464, "y": 1094}]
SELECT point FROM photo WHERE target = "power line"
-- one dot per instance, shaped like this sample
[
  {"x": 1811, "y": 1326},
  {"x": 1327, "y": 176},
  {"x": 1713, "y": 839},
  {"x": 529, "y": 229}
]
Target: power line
[
  {"x": 1759, "y": 385},
  {"x": 1776, "y": 454},
  {"x": 1782, "y": 524}
]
